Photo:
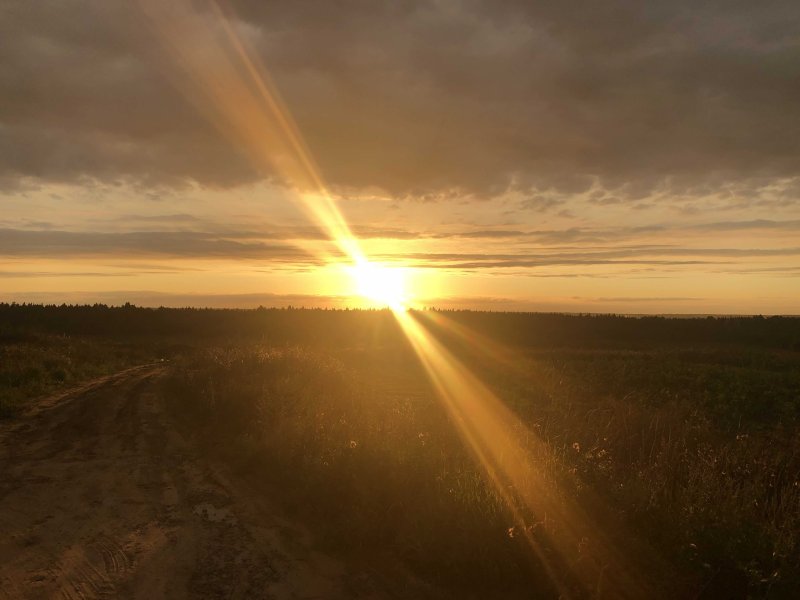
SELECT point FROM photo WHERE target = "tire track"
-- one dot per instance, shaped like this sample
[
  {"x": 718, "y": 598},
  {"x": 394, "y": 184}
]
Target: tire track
[{"x": 100, "y": 498}]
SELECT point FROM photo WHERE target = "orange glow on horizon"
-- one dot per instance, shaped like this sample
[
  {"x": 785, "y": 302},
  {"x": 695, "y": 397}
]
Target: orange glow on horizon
[{"x": 381, "y": 284}]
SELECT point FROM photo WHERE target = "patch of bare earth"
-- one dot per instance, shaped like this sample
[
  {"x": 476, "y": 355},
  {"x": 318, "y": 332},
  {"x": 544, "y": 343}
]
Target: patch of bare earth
[{"x": 101, "y": 498}]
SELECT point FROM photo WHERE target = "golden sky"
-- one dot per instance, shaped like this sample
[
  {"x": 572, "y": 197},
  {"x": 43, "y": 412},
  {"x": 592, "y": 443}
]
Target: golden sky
[{"x": 617, "y": 159}]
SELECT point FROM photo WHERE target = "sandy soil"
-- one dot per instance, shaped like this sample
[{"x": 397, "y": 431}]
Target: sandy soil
[{"x": 101, "y": 498}]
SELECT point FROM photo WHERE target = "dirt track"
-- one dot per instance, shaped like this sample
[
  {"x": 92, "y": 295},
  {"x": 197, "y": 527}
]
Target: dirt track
[{"x": 100, "y": 498}]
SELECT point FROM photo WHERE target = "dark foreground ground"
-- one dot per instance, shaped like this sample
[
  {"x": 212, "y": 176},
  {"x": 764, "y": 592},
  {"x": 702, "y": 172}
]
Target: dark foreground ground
[
  {"x": 304, "y": 454},
  {"x": 101, "y": 498}
]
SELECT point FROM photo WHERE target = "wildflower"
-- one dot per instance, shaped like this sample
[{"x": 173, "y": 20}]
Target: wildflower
[
  {"x": 576, "y": 446},
  {"x": 353, "y": 443}
]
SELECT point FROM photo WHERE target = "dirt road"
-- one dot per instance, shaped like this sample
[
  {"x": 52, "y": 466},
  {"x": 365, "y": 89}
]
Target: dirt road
[{"x": 101, "y": 498}]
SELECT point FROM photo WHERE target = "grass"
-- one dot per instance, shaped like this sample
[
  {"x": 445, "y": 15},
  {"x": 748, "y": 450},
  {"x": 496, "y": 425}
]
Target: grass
[
  {"x": 687, "y": 429},
  {"x": 696, "y": 449},
  {"x": 373, "y": 470},
  {"x": 36, "y": 364}
]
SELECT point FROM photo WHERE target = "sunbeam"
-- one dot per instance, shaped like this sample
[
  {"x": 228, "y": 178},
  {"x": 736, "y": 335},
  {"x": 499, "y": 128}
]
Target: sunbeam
[
  {"x": 220, "y": 75},
  {"x": 568, "y": 540}
]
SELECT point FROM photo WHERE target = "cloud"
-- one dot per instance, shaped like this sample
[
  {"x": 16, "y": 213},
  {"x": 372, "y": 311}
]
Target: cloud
[
  {"x": 174, "y": 219},
  {"x": 755, "y": 224},
  {"x": 527, "y": 251},
  {"x": 661, "y": 256},
  {"x": 586, "y": 235},
  {"x": 485, "y": 233},
  {"x": 40, "y": 274},
  {"x": 419, "y": 98},
  {"x": 181, "y": 244},
  {"x": 637, "y": 299},
  {"x": 244, "y": 228},
  {"x": 541, "y": 204}
]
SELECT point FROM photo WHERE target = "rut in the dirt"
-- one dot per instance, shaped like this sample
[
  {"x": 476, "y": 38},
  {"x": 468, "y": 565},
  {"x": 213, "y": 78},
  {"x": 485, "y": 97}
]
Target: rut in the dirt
[{"x": 101, "y": 498}]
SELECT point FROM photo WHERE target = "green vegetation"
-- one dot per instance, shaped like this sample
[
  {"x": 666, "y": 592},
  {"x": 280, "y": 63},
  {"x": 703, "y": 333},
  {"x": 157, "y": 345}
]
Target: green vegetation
[
  {"x": 34, "y": 365},
  {"x": 688, "y": 430}
]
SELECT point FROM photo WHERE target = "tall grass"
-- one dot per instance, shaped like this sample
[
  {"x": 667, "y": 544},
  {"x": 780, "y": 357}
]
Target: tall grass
[
  {"x": 361, "y": 445},
  {"x": 32, "y": 365}
]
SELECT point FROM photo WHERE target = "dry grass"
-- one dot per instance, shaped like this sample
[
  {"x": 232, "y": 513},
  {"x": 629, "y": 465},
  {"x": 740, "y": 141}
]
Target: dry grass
[
  {"x": 32, "y": 365},
  {"x": 677, "y": 443}
]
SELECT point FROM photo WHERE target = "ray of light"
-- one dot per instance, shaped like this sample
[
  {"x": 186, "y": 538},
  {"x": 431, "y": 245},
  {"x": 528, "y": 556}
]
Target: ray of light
[
  {"x": 225, "y": 80},
  {"x": 476, "y": 343},
  {"x": 514, "y": 461},
  {"x": 218, "y": 73}
]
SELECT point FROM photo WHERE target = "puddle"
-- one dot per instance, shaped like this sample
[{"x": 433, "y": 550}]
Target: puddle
[{"x": 216, "y": 515}]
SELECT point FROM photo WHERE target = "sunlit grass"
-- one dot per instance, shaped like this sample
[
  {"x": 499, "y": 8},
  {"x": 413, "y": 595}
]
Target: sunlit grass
[
  {"x": 362, "y": 442},
  {"x": 33, "y": 365}
]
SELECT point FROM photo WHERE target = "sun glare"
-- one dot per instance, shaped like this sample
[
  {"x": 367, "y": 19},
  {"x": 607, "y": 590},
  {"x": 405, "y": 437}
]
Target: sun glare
[
  {"x": 218, "y": 67},
  {"x": 379, "y": 284}
]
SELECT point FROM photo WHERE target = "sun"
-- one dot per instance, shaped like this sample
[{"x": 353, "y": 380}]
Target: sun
[{"x": 386, "y": 286}]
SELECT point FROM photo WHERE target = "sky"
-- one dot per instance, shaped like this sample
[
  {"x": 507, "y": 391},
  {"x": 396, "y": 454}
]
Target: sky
[{"x": 634, "y": 157}]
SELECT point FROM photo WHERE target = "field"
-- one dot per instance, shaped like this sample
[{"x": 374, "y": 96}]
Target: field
[
  {"x": 679, "y": 436},
  {"x": 33, "y": 364}
]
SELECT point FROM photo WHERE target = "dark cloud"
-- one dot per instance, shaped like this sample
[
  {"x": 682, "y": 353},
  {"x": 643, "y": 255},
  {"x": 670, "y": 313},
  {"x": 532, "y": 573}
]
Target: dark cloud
[
  {"x": 541, "y": 203},
  {"x": 251, "y": 245},
  {"x": 180, "y": 244},
  {"x": 661, "y": 256},
  {"x": 49, "y": 274},
  {"x": 485, "y": 234},
  {"x": 752, "y": 225},
  {"x": 180, "y": 218},
  {"x": 527, "y": 249},
  {"x": 556, "y": 237},
  {"x": 422, "y": 97},
  {"x": 641, "y": 299},
  {"x": 599, "y": 235}
]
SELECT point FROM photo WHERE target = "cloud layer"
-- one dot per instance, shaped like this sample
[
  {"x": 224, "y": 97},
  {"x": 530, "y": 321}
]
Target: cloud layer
[{"x": 423, "y": 98}]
